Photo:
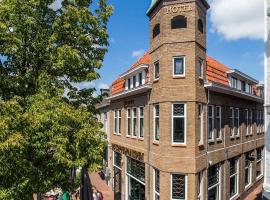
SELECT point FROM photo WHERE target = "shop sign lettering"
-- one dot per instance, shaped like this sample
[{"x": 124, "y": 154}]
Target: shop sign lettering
[
  {"x": 178, "y": 9},
  {"x": 128, "y": 152}
]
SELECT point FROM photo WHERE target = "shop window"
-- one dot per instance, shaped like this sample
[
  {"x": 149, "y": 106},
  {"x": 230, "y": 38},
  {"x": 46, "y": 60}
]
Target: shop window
[
  {"x": 156, "y": 30},
  {"x": 117, "y": 159},
  {"x": 213, "y": 182},
  {"x": 136, "y": 169},
  {"x": 248, "y": 169},
  {"x": 178, "y": 126},
  {"x": 156, "y": 184},
  {"x": 178, "y": 187},
  {"x": 259, "y": 163},
  {"x": 179, "y": 22},
  {"x": 200, "y": 25},
  {"x": 233, "y": 177}
]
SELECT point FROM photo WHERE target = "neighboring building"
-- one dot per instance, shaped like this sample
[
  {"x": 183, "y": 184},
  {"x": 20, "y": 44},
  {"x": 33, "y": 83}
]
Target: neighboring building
[{"x": 182, "y": 125}]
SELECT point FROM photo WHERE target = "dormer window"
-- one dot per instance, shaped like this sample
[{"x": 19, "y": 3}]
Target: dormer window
[
  {"x": 140, "y": 79},
  {"x": 179, "y": 21},
  {"x": 250, "y": 89},
  {"x": 156, "y": 30},
  {"x": 129, "y": 84},
  {"x": 234, "y": 83},
  {"x": 134, "y": 81},
  {"x": 243, "y": 86},
  {"x": 200, "y": 25}
]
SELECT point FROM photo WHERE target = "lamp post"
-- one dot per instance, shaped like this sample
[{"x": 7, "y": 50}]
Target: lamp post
[{"x": 266, "y": 185}]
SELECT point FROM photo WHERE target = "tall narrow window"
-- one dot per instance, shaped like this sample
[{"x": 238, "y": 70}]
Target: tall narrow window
[
  {"x": 134, "y": 81},
  {"x": 141, "y": 130},
  {"x": 262, "y": 121},
  {"x": 243, "y": 86},
  {"x": 115, "y": 121},
  {"x": 129, "y": 83},
  {"x": 218, "y": 122},
  {"x": 199, "y": 121},
  {"x": 199, "y": 185},
  {"x": 259, "y": 163},
  {"x": 119, "y": 121},
  {"x": 117, "y": 159},
  {"x": 179, "y": 22},
  {"x": 178, "y": 123},
  {"x": 213, "y": 182},
  {"x": 140, "y": 79},
  {"x": 200, "y": 25},
  {"x": 156, "y": 72},
  {"x": 210, "y": 122},
  {"x": 134, "y": 118},
  {"x": 234, "y": 82},
  {"x": 156, "y": 30},
  {"x": 178, "y": 66},
  {"x": 247, "y": 121},
  {"x": 129, "y": 126},
  {"x": 250, "y": 89},
  {"x": 233, "y": 177},
  {"x": 250, "y": 122},
  {"x": 156, "y": 122},
  {"x": 178, "y": 187},
  {"x": 236, "y": 122},
  {"x": 231, "y": 122},
  {"x": 200, "y": 68},
  {"x": 248, "y": 169},
  {"x": 156, "y": 184}
]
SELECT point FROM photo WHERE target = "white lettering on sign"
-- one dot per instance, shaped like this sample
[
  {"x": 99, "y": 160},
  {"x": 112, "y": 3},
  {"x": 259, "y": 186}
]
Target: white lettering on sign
[{"x": 178, "y": 9}]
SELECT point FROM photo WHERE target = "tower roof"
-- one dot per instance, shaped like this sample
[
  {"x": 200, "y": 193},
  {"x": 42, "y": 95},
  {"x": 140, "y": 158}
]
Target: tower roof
[{"x": 155, "y": 2}]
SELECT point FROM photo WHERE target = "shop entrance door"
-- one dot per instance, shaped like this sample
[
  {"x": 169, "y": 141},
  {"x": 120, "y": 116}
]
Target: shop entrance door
[{"x": 117, "y": 184}]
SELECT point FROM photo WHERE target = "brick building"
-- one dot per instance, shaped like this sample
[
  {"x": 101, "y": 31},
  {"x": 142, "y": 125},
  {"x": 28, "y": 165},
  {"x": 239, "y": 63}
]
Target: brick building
[{"x": 183, "y": 125}]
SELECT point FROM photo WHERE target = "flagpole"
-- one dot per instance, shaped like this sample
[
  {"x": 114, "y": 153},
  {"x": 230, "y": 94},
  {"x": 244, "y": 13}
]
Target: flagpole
[{"x": 266, "y": 185}]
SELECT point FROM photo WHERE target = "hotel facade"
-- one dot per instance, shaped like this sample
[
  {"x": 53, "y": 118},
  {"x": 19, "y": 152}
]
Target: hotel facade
[{"x": 181, "y": 125}]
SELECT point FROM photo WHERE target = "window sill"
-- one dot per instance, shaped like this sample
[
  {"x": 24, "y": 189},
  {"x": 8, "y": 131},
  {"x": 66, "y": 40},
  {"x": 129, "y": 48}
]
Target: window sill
[
  {"x": 219, "y": 140},
  {"x": 259, "y": 177},
  {"x": 211, "y": 141},
  {"x": 247, "y": 187},
  {"x": 236, "y": 196},
  {"x": 179, "y": 145},
  {"x": 141, "y": 138},
  {"x": 156, "y": 80},
  {"x": 179, "y": 76},
  {"x": 200, "y": 144},
  {"x": 156, "y": 142}
]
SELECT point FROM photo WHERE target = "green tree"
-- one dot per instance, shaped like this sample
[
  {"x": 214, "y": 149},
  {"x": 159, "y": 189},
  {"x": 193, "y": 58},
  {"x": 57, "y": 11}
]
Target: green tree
[{"x": 44, "y": 132}]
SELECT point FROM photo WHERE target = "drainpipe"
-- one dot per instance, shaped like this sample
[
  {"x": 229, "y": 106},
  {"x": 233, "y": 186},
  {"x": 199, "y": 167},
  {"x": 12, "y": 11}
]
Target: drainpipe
[
  {"x": 148, "y": 144},
  {"x": 206, "y": 145}
]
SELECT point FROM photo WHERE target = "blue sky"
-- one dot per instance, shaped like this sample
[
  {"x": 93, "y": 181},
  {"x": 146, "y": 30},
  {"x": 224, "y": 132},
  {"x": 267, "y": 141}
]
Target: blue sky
[{"x": 234, "y": 37}]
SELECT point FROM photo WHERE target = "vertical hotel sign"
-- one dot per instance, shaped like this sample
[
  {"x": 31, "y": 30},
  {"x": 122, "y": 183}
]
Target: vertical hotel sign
[{"x": 266, "y": 184}]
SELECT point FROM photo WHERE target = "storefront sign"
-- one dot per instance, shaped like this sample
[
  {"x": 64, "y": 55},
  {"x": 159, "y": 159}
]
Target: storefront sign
[
  {"x": 178, "y": 9},
  {"x": 129, "y": 103},
  {"x": 128, "y": 152}
]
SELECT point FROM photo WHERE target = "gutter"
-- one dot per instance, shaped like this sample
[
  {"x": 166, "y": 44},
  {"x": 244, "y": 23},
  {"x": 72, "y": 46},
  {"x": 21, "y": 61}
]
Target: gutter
[
  {"x": 148, "y": 142},
  {"x": 206, "y": 145}
]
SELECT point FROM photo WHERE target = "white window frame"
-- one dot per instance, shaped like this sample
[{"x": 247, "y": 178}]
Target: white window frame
[
  {"x": 141, "y": 117},
  {"x": 186, "y": 185},
  {"x": 154, "y": 184},
  {"x": 211, "y": 139},
  {"x": 117, "y": 124},
  {"x": 250, "y": 171},
  {"x": 201, "y": 68},
  {"x": 134, "y": 117},
  {"x": 231, "y": 119},
  {"x": 247, "y": 121},
  {"x": 155, "y": 116},
  {"x": 217, "y": 184},
  {"x": 185, "y": 123},
  {"x": 250, "y": 122},
  {"x": 261, "y": 161},
  {"x": 114, "y": 160},
  {"x": 237, "y": 126},
  {"x": 155, "y": 63},
  {"x": 237, "y": 178},
  {"x": 200, "y": 119},
  {"x": 184, "y": 66},
  {"x": 129, "y": 118},
  {"x": 220, "y": 123},
  {"x": 200, "y": 185}
]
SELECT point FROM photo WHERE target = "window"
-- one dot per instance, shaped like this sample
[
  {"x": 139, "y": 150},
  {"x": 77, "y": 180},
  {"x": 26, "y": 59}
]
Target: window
[
  {"x": 134, "y": 118},
  {"x": 179, "y": 22},
  {"x": 156, "y": 184},
  {"x": 117, "y": 159},
  {"x": 247, "y": 121},
  {"x": 210, "y": 122},
  {"x": 259, "y": 163},
  {"x": 231, "y": 122},
  {"x": 200, "y": 68},
  {"x": 129, "y": 83},
  {"x": 213, "y": 182},
  {"x": 156, "y": 122},
  {"x": 117, "y": 121},
  {"x": 248, "y": 169},
  {"x": 136, "y": 169},
  {"x": 134, "y": 81},
  {"x": 199, "y": 185},
  {"x": 178, "y": 123},
  {"x": 249, "y": 88},
  {"x": 178, "y": 184},
  {"x": 260, "y": 121},
  {"x": 141, "y": 131},
  {"x": 200, "y": 25},
  {"x": 199, "y": 121},
  {"x": 156, "y": 75},
  {"x": 218, "y": 122},
  {"x": 178, "y": 66},
  {"x": 243, "y": 86},
  {"x": 233, "y": 177},
  {"x": 129, "y": 122},
  {"x": 156, "y": 30},
  {"x": 250, "y": 122},
  {"x": 140, "y": 79},
  {"x": 236, "y": 122},
  {"x": 234, "y": 82}
]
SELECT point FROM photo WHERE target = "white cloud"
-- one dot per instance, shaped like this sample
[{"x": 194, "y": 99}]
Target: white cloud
[
  {"x": 137, "y": 53},
  {"x": 112, "y": 41},
  {"x": 84, "y": 85},
  {"x": 238, "y": 19},
  {"x": 103, "y": 86},
  {"x": 57, "y": 4}
]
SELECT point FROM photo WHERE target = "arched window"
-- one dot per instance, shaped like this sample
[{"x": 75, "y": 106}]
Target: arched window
[
  {"x": 179, "y": 22},
  {"x": 156, "y": 30},
  {"x": 200, "y": 25}
]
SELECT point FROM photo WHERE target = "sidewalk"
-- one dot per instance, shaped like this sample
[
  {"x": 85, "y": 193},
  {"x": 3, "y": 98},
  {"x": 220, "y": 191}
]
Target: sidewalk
[
  {"x": 101, "y": 186},
  {"x": 256, "y": 194}
]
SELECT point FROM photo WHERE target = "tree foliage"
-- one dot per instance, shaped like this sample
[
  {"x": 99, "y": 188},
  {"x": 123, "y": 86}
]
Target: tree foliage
[{"x": 45, "y": 131}]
